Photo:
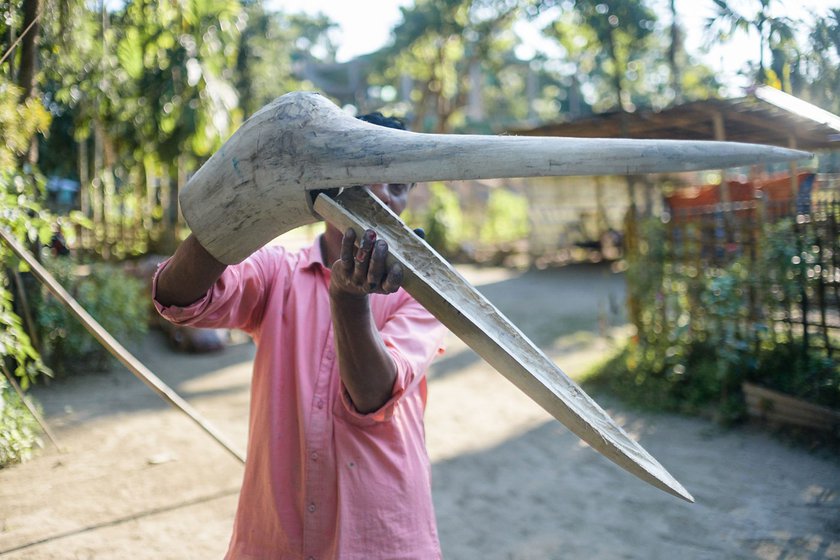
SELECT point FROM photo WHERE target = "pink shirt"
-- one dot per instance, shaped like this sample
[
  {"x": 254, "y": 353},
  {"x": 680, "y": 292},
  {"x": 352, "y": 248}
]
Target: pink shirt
[{"x": 323, "y": 481}]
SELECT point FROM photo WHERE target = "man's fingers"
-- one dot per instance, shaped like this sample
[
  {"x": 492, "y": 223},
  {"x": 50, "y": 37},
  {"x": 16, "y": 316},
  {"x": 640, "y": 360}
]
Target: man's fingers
[
  {"x": 362, "y": 258},
  {"x": 347, "y": 250},
  {"x": 376, "y": 270},
  {"x": 393, "y": 280},
  {"x": 365, "y": 267}
]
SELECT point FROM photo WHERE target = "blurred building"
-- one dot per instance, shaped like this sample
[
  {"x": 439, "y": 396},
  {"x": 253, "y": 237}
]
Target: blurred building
[{"x": 566, "y": 207}]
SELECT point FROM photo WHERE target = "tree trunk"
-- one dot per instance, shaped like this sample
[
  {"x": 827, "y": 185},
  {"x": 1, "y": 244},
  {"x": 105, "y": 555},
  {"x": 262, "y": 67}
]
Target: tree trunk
[
  {"x": 673, "y": 53},
  {"x": 84, "y": 192},
  {"x": 29, "y": 64},
  {"x": 29, "y": 48},
  {"x": 11, "y": 60}
]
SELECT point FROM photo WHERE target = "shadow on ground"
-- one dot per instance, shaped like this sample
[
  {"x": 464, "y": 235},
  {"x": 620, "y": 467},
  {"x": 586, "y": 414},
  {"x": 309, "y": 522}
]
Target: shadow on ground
[{"x": 543, "y": 495}]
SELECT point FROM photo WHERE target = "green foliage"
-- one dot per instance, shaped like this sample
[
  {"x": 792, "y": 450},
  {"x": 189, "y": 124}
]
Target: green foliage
[
  {"x": 270, "y": 44},
  {"x": 117, "y": 301},
  {"x": 442, "y": 220},
  {"x": 18, "y": 428},
  {"x": 19, "y": 122},
  {"x": 688, "y": 382},
  {"x": 775, "y": 34},
  {"x": 22, "y": 216},
  {"x": 15, "y": 344},
  {"x": 812, "y": 376},
  {"x": 445, "y": 47},
  {"x": 506, "y": 218},
  {"x": 816, "y": 74},
  {"x": 703, "y": 330},
  {"x": 620, "y": 47}
]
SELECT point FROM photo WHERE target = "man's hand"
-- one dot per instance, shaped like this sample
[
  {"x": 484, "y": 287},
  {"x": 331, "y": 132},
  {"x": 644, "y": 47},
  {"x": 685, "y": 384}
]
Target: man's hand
[
  {"x": 365, "y": 365},
  {"x": 363, "y": 271}
]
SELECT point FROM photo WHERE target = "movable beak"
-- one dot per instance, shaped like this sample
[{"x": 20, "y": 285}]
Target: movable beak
[
  {"x": 448, "y": 296},
  {"x": 256, "y": 186}
]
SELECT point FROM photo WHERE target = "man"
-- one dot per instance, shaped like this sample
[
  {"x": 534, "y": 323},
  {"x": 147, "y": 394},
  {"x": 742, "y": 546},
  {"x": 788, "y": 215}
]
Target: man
[{"x": 337, "y": 465}]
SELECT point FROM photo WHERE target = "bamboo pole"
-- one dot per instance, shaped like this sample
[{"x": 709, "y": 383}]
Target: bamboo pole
[
  {"x": 134, "y": 365},
  {"x": 31, "y": 408}
]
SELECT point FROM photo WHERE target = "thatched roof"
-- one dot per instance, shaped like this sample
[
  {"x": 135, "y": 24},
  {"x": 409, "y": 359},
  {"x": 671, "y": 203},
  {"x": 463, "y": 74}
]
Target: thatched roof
[{"x": 764, "y": 116}]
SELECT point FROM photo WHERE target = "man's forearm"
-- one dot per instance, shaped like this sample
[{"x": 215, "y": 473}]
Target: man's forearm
[
  {"x": 188, "y": 275},
  {"x": 365, "y": 365}
]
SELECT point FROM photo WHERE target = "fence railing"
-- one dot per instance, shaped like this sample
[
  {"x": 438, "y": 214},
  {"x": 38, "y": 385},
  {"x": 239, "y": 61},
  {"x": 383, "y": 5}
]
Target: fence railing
[{"x": 786, "y": 251}]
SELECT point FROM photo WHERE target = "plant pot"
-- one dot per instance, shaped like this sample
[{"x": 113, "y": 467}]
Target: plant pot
[{"x": 778, "y": 408}]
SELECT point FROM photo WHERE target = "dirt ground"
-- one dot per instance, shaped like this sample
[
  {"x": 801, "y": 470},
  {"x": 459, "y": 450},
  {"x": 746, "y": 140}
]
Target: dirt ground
[{"x": 138, "y": 480}]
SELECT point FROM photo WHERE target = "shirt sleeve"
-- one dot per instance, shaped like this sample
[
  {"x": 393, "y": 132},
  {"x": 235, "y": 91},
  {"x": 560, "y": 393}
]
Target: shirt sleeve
[
  {"x": 236, "y": 300},
  {"x": 414, "y": 338}
]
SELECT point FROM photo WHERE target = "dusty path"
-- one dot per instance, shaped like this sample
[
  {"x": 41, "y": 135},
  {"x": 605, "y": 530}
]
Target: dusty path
[{"x": 139, "y": 481}]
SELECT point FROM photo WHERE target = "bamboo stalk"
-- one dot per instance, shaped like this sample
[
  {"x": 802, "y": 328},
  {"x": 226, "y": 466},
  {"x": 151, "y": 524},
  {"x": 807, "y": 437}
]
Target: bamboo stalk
[
  {"x": 29, "y": 406},
  {"x": 134, "y": 365},
  {"x": 27, "y": 313}
]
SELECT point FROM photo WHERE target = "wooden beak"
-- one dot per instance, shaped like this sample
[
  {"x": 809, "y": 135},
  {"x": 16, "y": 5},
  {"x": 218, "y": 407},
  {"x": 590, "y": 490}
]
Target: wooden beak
[
  {"x": 256, "y": 186},
  {"x": 470, "y": 316}
]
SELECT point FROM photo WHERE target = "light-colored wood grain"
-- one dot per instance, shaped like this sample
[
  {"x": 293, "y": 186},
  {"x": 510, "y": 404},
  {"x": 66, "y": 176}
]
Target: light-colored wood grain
[
  {"x": 255, "y": 187},
  {"x": 471, "y": 317}
]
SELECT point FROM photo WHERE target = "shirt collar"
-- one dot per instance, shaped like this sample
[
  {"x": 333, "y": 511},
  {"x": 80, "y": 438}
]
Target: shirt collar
[{"x": 312, "y": 256}]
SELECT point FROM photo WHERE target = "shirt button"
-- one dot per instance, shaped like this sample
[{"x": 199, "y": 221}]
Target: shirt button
[
  {"x": 314, "y": 455},
  {"x": 311, "y": 508}
]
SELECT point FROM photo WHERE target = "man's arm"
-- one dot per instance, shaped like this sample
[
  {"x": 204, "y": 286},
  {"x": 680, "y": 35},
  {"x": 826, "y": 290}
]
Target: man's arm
[
  {"x": 365, "y": 365},
  {"x": 188, "y": 275}
]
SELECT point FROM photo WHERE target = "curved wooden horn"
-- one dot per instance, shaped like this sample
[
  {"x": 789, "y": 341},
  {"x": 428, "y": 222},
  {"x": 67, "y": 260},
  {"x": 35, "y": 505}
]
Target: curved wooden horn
[{"x": 255, "y": 187}]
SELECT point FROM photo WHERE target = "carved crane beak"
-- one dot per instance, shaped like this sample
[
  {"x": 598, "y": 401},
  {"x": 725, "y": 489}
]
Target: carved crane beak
[{"x": 257, "y": 187}]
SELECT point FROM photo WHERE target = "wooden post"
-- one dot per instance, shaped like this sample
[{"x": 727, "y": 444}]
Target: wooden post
[
  {"x": 720, "y": 136},
  {"x": 794, "y": 181}
]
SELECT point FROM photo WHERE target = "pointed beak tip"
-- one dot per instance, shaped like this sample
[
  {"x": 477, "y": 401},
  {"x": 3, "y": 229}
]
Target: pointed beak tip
[{"x": 680, "y": 492}]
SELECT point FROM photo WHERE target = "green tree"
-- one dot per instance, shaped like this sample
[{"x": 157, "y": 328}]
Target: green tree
[
  {"x": 506, "y": 218},
  {"x": 150, "y": 85},
  {"x": 21, "y": 216},
  {"x": 623, "y": 55},
  {"x": 271, "y": 44},
  {"x": 605, "y": 41},
  {"x": 775, "y": 35},
  {"x": 444, "y": 49},
  {"x": 817, "y": 73}
]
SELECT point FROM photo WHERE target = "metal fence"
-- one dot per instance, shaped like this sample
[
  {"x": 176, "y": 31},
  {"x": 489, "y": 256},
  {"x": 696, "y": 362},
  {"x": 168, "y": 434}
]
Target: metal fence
[{"x": 785, "y": 251}]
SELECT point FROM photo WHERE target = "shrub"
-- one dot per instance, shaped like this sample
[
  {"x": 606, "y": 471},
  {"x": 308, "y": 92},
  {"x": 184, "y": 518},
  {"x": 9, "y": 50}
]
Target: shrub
[
  {"x": 117, "y": 301},
  {"x": 21, "y": 215},
  {"x": 18, "y": 429},
  {"x": 707, "y": 317},
  {"x": 506, "y": 219},
  {"x": 443, "y": 220}
]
